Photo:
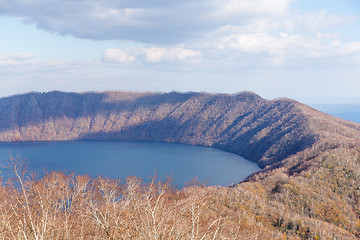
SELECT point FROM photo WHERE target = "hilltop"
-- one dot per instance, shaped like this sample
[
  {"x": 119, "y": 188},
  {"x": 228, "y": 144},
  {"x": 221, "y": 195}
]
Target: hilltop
[{"x": 308, "y": 187}]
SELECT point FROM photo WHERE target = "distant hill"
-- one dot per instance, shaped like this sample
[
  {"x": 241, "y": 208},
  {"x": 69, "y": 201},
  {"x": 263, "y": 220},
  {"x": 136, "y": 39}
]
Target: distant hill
[{"x": 260, "y": 130}]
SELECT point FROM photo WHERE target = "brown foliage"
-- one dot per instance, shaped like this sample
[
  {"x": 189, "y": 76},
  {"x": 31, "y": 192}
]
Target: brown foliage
[
  {"x": 320, "y": 203},
  {"x": 60, "y": 206}
]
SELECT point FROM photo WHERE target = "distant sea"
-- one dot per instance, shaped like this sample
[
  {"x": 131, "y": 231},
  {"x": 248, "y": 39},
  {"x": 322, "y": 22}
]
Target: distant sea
[{"x": 349, "y": 112}]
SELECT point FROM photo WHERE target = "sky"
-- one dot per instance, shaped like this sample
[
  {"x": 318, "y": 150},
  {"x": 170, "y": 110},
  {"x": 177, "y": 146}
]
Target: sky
[{"x": 301, "y": 49}]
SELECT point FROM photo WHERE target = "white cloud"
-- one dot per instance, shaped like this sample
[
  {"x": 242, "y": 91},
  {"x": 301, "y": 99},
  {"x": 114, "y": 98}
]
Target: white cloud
[
  {"x": 263, "y": 43},
  {"x": 331, "y": 35},
  {"x": 13, "y": 61},
  {"x": 157, "y": 21},
  {"x": 251, "y": 7},
  {"x": 350, "y": 48},
  {"x": 16, "y": 59},
  {"x": 155, "y": 55},
  {"x": 252, "y": 50},
  {"x": 151, "y": 55},
  {"x": 283, "y": 46},
  {"x": 314, "y": 21},
  {"x": 202, "y": 28},
  {"x": 117, "y": 56}
]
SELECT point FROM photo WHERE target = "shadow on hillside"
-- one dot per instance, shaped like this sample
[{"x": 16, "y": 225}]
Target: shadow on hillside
[
  {"x": 170, "y": 130},
  {"x": 37, "y": 108}
]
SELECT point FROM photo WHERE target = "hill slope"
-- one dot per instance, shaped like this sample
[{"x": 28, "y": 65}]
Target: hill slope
[{"x": 260, "y": 130}]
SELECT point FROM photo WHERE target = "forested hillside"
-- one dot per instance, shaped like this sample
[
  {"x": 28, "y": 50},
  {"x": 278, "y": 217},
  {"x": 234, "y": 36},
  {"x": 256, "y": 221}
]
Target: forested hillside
[
  {"x": 308, "y": 188},
  {"x": 258, "y": 129}
]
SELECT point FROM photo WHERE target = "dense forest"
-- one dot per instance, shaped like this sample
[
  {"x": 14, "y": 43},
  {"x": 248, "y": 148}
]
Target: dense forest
[{"x": 308, "y": 187}]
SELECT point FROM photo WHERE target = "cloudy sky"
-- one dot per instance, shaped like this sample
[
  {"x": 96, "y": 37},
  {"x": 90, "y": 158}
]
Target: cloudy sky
[{"x": 302, "y": 49}]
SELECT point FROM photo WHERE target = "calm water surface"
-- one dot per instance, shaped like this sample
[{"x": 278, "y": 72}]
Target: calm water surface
[
  {"x": 121, "y": 159},
  {"x": 349, "y": 112}
]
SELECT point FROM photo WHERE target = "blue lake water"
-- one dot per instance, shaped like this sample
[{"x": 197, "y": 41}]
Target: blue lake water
[{"x": 121, "y": 159}]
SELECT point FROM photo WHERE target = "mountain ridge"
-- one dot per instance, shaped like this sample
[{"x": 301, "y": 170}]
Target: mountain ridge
[{"x": 264, "y": 131}]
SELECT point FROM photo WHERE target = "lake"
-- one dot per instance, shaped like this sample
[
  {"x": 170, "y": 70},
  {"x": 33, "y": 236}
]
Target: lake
[{"x": 115, "y": 159}]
